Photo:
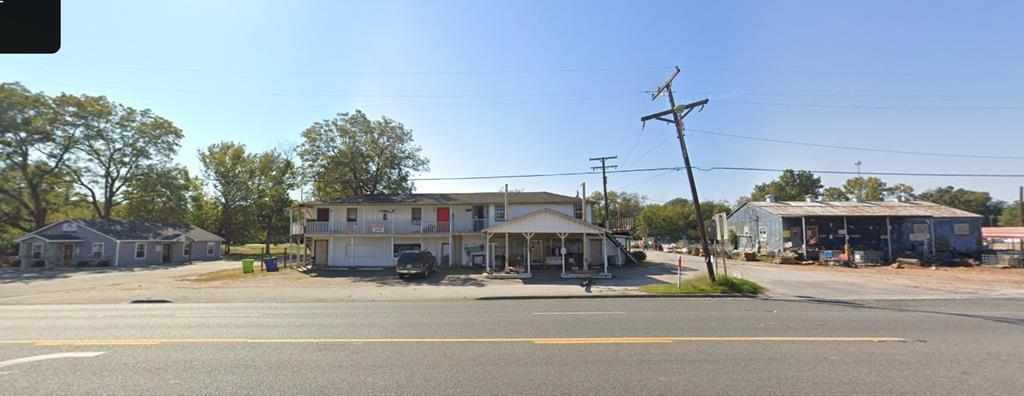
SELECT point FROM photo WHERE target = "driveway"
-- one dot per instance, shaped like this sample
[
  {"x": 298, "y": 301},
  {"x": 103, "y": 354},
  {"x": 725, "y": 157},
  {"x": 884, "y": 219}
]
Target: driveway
[{"x": 800, "y": 281}]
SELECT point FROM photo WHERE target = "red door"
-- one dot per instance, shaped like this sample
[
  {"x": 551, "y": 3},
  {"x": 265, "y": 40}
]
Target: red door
[{"x": 443, "y": 219}]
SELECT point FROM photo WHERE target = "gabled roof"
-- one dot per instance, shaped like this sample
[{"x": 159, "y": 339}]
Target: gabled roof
[
  {"x": 545, "y": 221},
  {"x": 537, "y": 197},
  {"x": 853, "y": 209},
  {"x": 130, "y": 230}
]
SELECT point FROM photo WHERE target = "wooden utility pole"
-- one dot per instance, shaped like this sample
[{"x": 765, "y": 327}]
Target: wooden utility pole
[
  {"x": 604, "y": 178},
  {"x": 677, "y": 119}
]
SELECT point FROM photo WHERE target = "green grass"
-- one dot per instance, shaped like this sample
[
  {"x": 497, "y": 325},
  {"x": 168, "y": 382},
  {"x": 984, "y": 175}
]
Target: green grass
[{"x": 724, "y": 285}]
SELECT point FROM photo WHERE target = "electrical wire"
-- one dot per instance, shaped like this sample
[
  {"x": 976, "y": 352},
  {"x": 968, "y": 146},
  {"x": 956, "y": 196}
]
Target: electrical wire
[
  {"x": 721, "y": 168},
  {"x": 870, "y": 107}
]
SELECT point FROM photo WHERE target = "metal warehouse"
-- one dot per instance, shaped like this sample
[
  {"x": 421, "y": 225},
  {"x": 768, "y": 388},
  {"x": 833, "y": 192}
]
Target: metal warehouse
[{"x": 873, "y": 232}]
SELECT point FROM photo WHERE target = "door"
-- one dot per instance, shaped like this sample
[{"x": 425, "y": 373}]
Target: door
[
  {"x": 444, "y": 217},
  {"x": 166, "y": 253},
  {"x": 536, "y": 251},
  {"x": 320, "y": 253},
  {"x": 445, "y": 252},
  {"x": 69, "y": 253}
]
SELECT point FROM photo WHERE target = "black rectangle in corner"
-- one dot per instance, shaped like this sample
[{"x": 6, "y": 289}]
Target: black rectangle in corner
[{"x": 29, "y": 26}]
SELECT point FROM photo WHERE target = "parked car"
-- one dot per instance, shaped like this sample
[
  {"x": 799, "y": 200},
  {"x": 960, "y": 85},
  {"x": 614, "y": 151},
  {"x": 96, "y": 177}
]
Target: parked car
[{"x": 419, "y": 262}]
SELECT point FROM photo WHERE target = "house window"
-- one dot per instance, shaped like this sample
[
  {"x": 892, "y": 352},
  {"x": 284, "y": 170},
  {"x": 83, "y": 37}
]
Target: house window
[
  {"x": 417, "y": 215},
  {"x": 140, "y": 251},
  {"x": 402, "y": 247},
  {"x": 188, "y": 249},
  {"x": 352, "y": 215},
  {"x": 499, "y": 212},
  {"x": 97, "y": 250},
  {"x": 323, "y": 214},
  {"x": 37, "y": 250},
  {"x": 961, "y": 229},
  {"x": 209, "y": 248},
  {"x": 577, "y": 211}
]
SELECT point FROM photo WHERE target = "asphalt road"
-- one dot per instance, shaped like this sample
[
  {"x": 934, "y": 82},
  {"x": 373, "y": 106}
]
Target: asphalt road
[{"x": 602, "y": 346}]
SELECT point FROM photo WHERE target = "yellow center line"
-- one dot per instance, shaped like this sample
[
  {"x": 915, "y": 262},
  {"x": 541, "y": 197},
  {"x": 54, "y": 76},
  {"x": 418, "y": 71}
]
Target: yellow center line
[{"x": 594, "y": 340}]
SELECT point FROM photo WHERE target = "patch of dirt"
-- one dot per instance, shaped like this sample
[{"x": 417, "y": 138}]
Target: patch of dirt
[{"x": 236, "y": 274}]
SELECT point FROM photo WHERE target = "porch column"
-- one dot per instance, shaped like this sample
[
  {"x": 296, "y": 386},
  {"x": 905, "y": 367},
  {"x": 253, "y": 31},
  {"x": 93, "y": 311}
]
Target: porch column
[
  {"x": 528, "y": 236},
  {"x": 561, "y": 250},
  {"x": 507, "y": 249},
  {"x": 117, "y": 253},
  {"x": 846, "y": 236},
  {"x": 604, "y": 253},
  {"x": 352, "y": 251},
  {"x": 586, "y": 252},
  {"x": 487, "y": 252},
  {"x": 451, "y": 244},
  {"x": 803, "y": 232},
  {"x": 392, "y": 251},
  {"x": 931, "y": 234},
  {"x": 888, "y": 236}
]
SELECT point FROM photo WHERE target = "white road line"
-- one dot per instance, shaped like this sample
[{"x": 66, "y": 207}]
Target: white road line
[
  {"x": 63, "y": 355},
  {"x": 213, "y": 315},
  {"x": 580, "y": 313}
]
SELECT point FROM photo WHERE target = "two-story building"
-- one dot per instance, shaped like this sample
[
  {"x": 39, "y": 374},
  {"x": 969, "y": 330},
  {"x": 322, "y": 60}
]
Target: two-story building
[{"x": 512, "y": 233}]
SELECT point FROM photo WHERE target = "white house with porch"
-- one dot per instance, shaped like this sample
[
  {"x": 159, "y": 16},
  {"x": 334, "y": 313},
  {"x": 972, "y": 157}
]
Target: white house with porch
[{"x": 510, "y": 235}]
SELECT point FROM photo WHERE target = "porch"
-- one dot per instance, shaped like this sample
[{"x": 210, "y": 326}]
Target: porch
[{"x": 545, "y": 239}]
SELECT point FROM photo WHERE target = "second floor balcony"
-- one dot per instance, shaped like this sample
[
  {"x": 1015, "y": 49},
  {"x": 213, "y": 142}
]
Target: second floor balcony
[{"x": 395, "y": 227}]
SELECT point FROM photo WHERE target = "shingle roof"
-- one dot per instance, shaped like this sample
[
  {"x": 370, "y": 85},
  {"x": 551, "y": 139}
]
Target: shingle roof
[
  {"x": 59, "y": 237},
  {"x": 852, "y": 209},
  {"x": 538, "y": 197},
  {"x": 146, "y": 230}
]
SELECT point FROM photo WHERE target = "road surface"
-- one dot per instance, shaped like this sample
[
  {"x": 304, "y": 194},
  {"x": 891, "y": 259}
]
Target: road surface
[{"x": 596, "y": 346}]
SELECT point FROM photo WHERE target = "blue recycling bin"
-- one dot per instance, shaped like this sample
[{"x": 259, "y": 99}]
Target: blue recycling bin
[{"x": 271, "y": 264}]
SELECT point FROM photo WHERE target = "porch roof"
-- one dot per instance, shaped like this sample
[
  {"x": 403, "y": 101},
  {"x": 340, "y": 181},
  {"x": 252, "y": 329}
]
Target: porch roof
[{"x": 545, "y": 221}]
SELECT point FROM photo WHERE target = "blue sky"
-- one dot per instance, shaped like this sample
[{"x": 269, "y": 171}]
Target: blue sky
[{"x": 541, "y": 86}]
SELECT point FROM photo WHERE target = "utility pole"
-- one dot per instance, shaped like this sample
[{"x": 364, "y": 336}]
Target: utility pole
[
  {"x": 604, "y": 177},
  {"x": 860, "y": 182},
  {"x": 677, "y": 119},
  {"x": 1020, "y": 221}
]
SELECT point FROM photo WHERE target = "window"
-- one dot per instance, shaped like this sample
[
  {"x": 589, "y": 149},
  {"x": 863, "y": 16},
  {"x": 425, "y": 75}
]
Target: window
[
  {"x": 140, "y": 251},
  {"x": 402, "y": 247},
  {"x": 188, "y": 249},
  {"x": 499, "y": 212},
  {"x": 417, "y": 215},
  {"x": 352, "y": 215},
  {"x": 961, "y": 229},
  {"x": 97, "y": 250},
  {"x": 37, "y": 250},
  {"x": 577, "y": 211},
  {"x": 209, "y": 248}
]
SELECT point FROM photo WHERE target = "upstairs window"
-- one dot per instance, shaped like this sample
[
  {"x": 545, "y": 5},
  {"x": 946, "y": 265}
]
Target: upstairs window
[
  {"x": 499, "y": 213},
  {"x": 323, "y": 214},
  {"x": 577, "y": 211},
  {"x": 417, "y": 215},
  {"x": 352, "y": 215}
]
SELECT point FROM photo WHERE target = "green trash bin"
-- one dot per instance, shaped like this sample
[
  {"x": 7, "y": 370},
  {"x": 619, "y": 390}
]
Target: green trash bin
[{"x": 247, "y": 266}]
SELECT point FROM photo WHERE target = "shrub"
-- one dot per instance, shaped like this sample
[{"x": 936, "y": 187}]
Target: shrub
[
  {"x": 82, "y": 264},
  {"x": 638, "y": 255},
  {"x": 103, "y": 263}
]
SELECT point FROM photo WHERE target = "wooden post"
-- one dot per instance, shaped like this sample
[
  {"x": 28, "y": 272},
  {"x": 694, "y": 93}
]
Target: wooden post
[
  {"x": 888, "y": 236},
  {"x": 529, "y": 249},
  {"x": 487, "y": 252},
  {"x": 561, "y": 250},
  {"x": 604, "y": 253},
  {"x": 507, "y": 246},
  {"x": 586, "y": 252},
  {"x": 803, "y": 232}
]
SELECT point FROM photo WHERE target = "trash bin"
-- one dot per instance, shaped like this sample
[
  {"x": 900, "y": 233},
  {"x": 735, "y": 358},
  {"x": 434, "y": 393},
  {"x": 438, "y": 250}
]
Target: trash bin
[
  {"x": 271, "y": 264},
  {"x": 247, "y": 266}
]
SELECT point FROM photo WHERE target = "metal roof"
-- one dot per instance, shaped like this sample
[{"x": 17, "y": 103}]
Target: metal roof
[
  {"x": 1003, "y": 232},
  {"x": 538, "y": 197},
  {"x": 853, "y": 209}
]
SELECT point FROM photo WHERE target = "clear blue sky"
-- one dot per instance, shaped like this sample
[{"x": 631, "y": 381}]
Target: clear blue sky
[{"x": 539, "y": 86}]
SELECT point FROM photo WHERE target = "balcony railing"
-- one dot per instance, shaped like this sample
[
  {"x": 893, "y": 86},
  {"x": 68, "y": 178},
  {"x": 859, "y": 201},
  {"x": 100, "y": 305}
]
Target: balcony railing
[{"x": 398, "y": 227}]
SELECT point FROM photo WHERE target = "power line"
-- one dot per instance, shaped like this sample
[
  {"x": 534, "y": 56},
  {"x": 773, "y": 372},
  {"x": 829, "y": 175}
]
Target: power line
[
  {"x": 853, "y": 148},
  {"x": 361, "y": 106},
  {"x": 722, "y": 168},
  {"x": 870, "y": 107}
]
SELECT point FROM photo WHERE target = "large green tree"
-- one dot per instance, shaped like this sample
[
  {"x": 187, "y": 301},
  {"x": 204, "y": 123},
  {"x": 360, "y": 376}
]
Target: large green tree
[
  {"x": 118, "y": 143},
  {"x": 834, "y": 194},
  {"x": 36, "y": 143},
  {"x": 621, "y": 204},
  {"x": 675, "y": 219},
  {"x": 1011, "y": 215},
  {"x": 790, "y": 186},
  {"x": 972, "y": 201},
  {"x": 867, "y": 188},
  {"x": 229, "y": 169},
  {"x": 158, "y": 193},
  {"x": 353, "y": 155},
  {"x": 274, "y": 178}
]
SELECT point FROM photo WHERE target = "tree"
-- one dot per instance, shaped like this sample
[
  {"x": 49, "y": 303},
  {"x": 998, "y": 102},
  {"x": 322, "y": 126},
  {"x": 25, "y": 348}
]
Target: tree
[
  {"x": 834, "y": 194},
  {"x": 275, "y": 177},
  {"x": 117, "y": 144},
  {"x": 868, "y": 189},
  {"x": 203, "y": 209},
  {"x": 623, "y": 205},
  {"x": 158, "y": 193},
  {"x": 790, "y": 186},
  {"x": 900, "y": 188},
  {"x": 36, "y": 143},
  {"x": 1010, "y": 216},
  {"x": 352, "y": 155},
  {"x": 972, "y": 201},
  {"x": 675, "y": 219},
  {"x": 230, "y": 171}
]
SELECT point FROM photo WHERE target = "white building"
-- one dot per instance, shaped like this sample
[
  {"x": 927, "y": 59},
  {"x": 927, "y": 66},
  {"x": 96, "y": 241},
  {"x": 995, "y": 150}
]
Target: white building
[{"x": 461, "y": 229}]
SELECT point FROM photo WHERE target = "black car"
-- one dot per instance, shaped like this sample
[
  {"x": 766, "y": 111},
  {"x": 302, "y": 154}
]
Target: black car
[{"x": 420, "y": 262}]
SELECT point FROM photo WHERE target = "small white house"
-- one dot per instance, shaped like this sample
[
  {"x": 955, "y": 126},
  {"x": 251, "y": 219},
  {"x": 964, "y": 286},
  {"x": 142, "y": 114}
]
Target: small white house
[{"x": 91, "y": 243}]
